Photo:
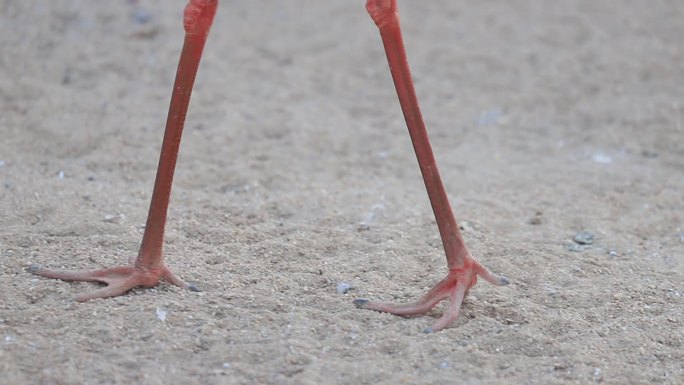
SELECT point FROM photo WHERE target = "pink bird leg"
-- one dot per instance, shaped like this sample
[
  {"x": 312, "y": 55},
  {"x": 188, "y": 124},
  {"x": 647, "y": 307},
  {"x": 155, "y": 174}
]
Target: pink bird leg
[
  {"x": 148, "y": 268},
  {"x": 463, "y": 268}
]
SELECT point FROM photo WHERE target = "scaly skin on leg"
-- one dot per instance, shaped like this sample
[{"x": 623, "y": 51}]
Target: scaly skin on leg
[
  {"x": 463, "y": 269},
  {"x": 148, "y": 268}
]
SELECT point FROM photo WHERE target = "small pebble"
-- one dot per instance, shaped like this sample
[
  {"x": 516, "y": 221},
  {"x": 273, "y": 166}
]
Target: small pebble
[
  {"x": 598, "y": 377},
  {"x": 602, "y": 159},
  {"x": 142, "y": 16},
  {"x": 584, "y": 238},
  {"x": 443, "y": 365},
  {"x": 161, "y": 314},
  {"x": 575, "y": 248},
  {"x": 60, "y": 175},
  {"x": 343, "y": 287},
  {"x": 466, "y": 226},
  {"x": 2, "y": 163},
  {"x": 488, "y": 118},
  {"x": 649, "y": 154}
]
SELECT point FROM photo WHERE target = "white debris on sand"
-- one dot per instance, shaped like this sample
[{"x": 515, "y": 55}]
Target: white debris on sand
[{"x": 161, "y": 314}]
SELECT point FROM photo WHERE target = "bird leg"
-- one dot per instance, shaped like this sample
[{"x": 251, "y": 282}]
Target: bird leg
[
  {"x": 148, "y": 268},
  {"x": 463, "y": 269}
]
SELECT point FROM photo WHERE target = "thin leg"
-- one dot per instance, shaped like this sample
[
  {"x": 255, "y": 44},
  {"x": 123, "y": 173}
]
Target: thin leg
[
  {"x": 149, "y": 268},
  {"x": 463, "y": 269}
]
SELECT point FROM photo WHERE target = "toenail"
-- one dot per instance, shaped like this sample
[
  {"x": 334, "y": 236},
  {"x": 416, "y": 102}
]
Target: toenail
[{"x": 360, "y": 302}]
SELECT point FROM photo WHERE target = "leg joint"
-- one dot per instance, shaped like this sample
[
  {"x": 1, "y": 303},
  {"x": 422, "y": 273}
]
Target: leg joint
[{"x": 382, "y": 11}]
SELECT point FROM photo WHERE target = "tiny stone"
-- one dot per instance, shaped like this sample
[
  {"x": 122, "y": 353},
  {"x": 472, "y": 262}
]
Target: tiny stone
[
  {"x": 161, "y": 314},
  {"x": 142, "y": 16},
  {"x": 362, "y": 227},
  {"x": 343, "y": 287},
  {"x": 597, "y": 375},
  {"x": 488, "y": 118},
  {"x": 443, "y": 365},
  {"x": 575, "y": 248},
  {"x": 584, "y": 238},
  {"x": 535, "y": 221},
  {"x": 465, "y": 226},
  {"x": 613, "y": 253},
  {"x": 649, "y": 154},
  {"x": 602, "y": 159},
  {"x": 110, "y": 218}
]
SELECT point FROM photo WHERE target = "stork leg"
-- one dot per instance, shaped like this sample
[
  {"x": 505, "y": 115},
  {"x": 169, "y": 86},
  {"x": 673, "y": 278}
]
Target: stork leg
[
  {"x": 463, "y": 269},
  {"x": 148, "y": 268}
]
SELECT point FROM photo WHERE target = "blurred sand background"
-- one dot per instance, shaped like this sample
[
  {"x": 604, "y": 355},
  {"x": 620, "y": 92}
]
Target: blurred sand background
[{"x": 296, "y": 175}]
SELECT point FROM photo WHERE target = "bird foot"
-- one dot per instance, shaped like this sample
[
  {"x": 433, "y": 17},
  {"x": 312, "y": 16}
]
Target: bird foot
[
  {"x": 118, "y": 279},
  {"x": 454, "y": 286}
]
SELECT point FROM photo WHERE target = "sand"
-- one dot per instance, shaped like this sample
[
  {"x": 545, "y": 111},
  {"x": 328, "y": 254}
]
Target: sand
[{"x": 296, "y": 175}]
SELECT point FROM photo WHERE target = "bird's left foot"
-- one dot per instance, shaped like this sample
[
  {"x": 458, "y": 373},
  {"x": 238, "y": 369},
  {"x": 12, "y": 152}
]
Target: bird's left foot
[
  {"x": 454, "y": 286},
  {"x": 118, "y": 279}
]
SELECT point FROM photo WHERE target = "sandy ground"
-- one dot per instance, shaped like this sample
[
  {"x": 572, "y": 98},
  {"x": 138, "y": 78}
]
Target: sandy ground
[{"x": 296, "y": 174}]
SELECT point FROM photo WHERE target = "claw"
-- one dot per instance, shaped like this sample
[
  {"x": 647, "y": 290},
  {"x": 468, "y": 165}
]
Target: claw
[{"x": 361, "y": 303}]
